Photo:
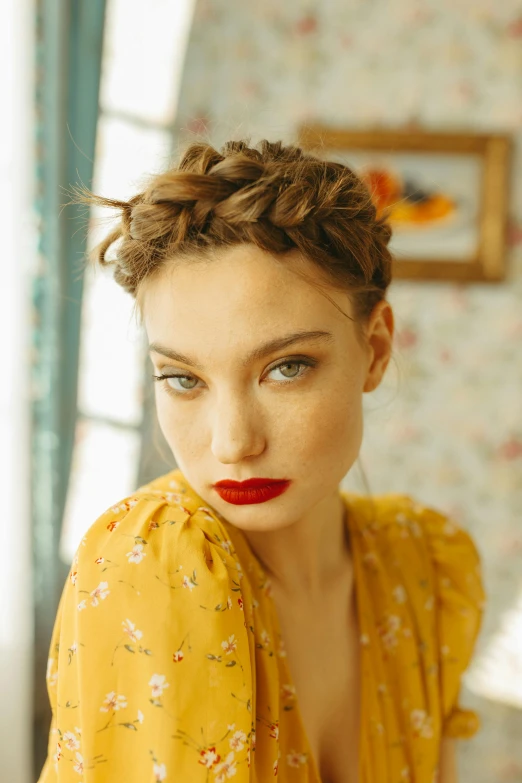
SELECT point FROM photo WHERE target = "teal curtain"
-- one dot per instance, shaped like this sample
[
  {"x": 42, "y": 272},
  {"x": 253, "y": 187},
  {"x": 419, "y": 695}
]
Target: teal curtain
[{"x": 69, "y": 39}]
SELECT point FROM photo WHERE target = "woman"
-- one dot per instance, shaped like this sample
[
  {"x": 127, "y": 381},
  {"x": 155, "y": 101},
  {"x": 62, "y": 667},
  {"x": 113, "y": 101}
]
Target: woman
[{"x": 282, "y": 630}]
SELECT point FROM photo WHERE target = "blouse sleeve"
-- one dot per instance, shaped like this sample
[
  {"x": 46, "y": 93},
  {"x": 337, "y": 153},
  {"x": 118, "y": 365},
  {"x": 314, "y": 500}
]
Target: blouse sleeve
[
  {"x": 149, "y": 673},
  {"x": 460, "y": 601}
]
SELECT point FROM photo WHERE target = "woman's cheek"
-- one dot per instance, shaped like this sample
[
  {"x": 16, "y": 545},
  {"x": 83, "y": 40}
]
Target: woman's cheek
[
  {"x": 333, "y": 408},
  {"x": 166, "y": 412}
]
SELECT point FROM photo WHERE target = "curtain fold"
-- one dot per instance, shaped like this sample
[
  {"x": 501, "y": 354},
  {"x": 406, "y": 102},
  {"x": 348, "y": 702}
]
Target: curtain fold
[{"x": 69, "y": 43}]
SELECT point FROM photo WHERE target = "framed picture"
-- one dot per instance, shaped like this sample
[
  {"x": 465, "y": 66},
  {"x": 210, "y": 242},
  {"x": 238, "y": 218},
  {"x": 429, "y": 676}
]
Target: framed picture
[{"x": 445, "y": 195}]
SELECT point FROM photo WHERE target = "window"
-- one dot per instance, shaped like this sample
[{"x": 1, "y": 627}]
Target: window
[{"x": 144, "y": 48}]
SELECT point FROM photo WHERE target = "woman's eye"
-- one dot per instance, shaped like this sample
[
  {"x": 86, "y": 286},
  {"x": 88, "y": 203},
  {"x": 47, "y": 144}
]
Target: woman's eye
[
  {"x": 169, "y": 381},
  {"x": 188, "y": 383},
  {"x": 283, "y": 367}
]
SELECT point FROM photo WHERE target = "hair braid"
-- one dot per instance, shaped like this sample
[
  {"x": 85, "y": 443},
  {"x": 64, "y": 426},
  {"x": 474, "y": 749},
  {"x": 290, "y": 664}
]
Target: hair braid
[{"x": 274, "y": 196}]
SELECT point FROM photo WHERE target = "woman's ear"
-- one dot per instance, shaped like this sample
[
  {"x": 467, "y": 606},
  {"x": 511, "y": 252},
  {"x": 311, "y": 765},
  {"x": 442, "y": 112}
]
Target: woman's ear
[{"x": 379, "y": 337}]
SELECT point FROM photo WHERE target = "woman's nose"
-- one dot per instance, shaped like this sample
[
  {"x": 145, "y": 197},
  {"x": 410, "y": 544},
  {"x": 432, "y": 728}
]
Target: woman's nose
[{"x": 237, "y": 431}]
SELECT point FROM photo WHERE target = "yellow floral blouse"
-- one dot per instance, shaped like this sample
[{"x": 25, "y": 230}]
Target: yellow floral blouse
[{"x": 167, "y": 662}]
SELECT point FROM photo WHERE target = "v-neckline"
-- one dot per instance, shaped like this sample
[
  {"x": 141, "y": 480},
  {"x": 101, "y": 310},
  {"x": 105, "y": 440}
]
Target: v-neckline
[{"x": 363, "y": 652}]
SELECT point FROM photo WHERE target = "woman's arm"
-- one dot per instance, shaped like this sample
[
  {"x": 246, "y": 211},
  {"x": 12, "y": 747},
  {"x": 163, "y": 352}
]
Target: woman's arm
[
  {"x": 140, "y": 683},
  {"x": 448, "y": 761}
]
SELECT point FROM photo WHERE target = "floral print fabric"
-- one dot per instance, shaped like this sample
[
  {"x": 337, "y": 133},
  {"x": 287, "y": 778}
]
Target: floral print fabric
[{"x": 167, "y": 661}]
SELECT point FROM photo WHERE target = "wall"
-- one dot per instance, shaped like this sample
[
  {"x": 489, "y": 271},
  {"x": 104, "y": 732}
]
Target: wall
[{"x": 446, "y": 425}]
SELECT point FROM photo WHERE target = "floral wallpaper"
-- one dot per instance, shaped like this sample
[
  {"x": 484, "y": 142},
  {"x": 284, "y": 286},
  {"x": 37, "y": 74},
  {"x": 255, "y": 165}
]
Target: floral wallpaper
[{"x": 446, "y": 425}]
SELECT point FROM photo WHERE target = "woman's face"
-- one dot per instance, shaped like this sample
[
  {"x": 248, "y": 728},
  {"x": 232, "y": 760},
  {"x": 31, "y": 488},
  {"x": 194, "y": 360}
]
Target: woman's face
[{"x": 294, "y": 412}]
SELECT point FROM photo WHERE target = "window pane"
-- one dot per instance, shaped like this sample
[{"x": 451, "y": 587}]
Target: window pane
[
  {"x": 112, "y": 346},
  {"x": 104, "y": 471},
  {"x": 143, "y": 56},
  {"x": 112, "y": 355},
  {"x": 106, "y": 457}
]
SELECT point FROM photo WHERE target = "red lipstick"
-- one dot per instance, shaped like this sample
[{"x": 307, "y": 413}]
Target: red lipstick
[{"x": 255, "y": 490}]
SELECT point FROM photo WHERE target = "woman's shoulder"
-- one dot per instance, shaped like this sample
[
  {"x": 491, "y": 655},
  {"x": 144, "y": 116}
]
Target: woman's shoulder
[
  {"x": 403, "y": 517},
  {"x": 412, "y": 537},
  {"x": 157, "y": 523},
  {"x": 128, "y": 514}
]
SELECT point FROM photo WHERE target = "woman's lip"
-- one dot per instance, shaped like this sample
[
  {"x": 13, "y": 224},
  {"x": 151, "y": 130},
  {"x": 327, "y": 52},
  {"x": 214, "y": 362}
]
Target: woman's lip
[
  {"x": 252, "y": 483},
  {"x": 241, "y": 496}
]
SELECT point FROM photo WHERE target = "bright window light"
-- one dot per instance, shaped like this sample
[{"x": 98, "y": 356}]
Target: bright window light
[
  {"x": 144, "y": 51},
  {"x": 104, "y": 468},
  {"x": 496, "y": 674}
]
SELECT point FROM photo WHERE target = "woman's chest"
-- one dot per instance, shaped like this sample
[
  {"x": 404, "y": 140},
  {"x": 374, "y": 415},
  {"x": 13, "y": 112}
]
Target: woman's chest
[{"x": 323, "y": 661}]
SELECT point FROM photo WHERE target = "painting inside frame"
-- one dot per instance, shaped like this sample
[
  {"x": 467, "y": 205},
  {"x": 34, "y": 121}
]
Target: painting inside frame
[
  {"x": 444, "y": 193},
  {"x": 432, "y": 201}
]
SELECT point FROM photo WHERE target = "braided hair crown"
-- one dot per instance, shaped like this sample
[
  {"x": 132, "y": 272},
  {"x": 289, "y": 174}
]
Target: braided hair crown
[{"x": 276, "y": 197}]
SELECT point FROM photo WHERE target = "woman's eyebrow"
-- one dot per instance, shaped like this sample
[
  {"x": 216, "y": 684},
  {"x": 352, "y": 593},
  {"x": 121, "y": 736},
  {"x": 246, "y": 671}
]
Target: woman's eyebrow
[{"x": 258, "y": 353}]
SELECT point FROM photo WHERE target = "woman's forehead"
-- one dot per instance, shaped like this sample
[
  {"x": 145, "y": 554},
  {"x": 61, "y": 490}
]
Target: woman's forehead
[{"x": 245, "y": 283}]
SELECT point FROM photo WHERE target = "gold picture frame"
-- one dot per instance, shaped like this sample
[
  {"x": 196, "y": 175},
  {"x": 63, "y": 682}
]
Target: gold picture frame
[{"x": 472, "y": 169}]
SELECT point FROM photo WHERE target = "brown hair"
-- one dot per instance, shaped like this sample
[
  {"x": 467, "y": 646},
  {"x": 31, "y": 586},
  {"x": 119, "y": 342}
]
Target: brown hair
[{"x": 274, "y": 196}]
